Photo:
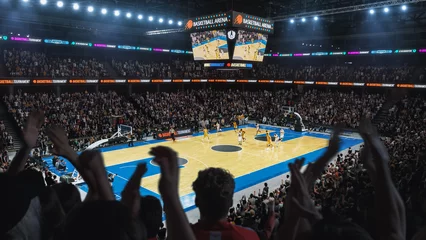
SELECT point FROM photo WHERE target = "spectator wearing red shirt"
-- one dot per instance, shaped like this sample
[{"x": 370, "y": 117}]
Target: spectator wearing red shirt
[{"x": 214, "y": 191}]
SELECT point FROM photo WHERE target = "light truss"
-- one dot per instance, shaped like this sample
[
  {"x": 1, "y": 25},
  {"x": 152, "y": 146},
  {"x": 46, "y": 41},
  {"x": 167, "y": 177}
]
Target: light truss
[
  {"x": 166, "y": 31},
  {"x": 354, "y": 8}
]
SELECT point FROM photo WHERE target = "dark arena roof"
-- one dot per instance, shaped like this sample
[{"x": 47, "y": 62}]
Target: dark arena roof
[{"x": 338, "y": 24}]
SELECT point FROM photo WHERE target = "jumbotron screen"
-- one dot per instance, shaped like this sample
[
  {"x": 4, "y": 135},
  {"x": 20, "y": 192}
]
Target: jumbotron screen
[
  {"x": 210, "y": 45},
  {"x": 250, "y": 46}
]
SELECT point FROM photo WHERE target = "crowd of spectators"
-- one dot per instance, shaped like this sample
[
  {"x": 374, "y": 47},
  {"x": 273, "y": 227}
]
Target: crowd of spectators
[
  {"x": 192, "y": 108},
  {"x": 23, "y": 63},
  {"x": 174, "y": 69},
  {"x": 344, "y": 188},
  {"x": 87, "y": 117},
  {"x": 352, "y": 197},
  {"x": 326, "y": 108}
]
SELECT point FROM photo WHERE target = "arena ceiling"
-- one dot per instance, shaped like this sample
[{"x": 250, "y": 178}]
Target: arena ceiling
[{"x": 51, "y": 21}]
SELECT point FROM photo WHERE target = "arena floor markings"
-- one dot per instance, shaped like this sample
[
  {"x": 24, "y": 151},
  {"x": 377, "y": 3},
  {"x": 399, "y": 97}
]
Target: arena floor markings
[{"x": 251, "y": 163}]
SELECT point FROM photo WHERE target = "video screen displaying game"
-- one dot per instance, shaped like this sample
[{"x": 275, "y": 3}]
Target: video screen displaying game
[
  {"x": 210, "y": 45},
  {"x": 250, "y": 46}
]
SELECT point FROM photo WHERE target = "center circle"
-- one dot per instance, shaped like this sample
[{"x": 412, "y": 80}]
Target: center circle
[
  {"x": 181, "y": 162},
  {"x": 261, "y": 138},
  {"x": 226, "y": 148}
]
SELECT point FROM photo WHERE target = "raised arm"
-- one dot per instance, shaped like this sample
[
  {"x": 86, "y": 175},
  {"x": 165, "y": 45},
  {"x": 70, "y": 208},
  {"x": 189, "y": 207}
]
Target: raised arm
[
  {"x": 31, "y": 131},
  {"x": 130, "y": 196},
  {"x": 177, "y": 223},
  {"x": 390, "y": 212}
]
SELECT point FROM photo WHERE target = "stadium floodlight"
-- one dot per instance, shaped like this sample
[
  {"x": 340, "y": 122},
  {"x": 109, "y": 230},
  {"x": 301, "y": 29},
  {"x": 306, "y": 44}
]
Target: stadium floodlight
[
  {"x": 140, "y": 16},
  {"x": 116, "y": 13},
  {"x": 303, "y": 19},
  {"x": 43, "y": 2},
  {"x": 60, "y": 4},
  {"x": 128, "y": 15},
  {"x": 170, "y": 21},
  {"x": 372, "y": 11},
  {"x": 386, "y": 10},
  {"x": 150, "y": 18},
  {"x": 291, "y": 20},
  {"x": 316, "y": 18},
  {"x": 90, "y": 9},
  {"x": 180, "y": 23},
  {"x": 75, "y": 6},
  {"x": 104, "y": 11},
  {"x": 160, "y": 20},
  {"x": 404, "y": 7},
  {"x": 25, "y": 0}
]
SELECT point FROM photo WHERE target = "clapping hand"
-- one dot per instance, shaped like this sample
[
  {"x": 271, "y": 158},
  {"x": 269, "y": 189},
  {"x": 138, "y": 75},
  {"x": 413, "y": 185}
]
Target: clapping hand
[
  {"x": 93, "y": 165},
  {"x": 301, "y": 203},
  {"x": 167, "y": 159},
  {"x": 61, "y": 145},
  {"x": 32, "y": 128},
  {"x": 130, "y": 196}
]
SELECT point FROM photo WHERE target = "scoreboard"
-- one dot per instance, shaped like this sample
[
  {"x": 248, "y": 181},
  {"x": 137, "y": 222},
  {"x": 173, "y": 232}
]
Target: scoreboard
[{"x": 229, "y": 36}]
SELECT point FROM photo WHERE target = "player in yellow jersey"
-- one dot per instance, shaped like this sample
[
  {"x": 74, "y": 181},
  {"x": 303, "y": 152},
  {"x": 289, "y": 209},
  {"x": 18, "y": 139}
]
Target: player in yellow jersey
[
  {"x": 206, "y": 134},
  {"x": 243, "y": 134},
  {"x": 268, "y": 139},
  {"x": 235, "y": 126}
]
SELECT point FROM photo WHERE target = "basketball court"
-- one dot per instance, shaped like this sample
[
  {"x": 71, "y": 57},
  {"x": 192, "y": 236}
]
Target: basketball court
[
  {"x": 241, "y": 52},
  {"x": 213, "y": 49},
  {"x": 250, "y": 163}
]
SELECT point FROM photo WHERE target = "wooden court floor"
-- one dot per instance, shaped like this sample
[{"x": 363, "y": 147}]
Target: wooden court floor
[
  {"x": 254, "y": 163},
  {"x": 253, "y": 156}
]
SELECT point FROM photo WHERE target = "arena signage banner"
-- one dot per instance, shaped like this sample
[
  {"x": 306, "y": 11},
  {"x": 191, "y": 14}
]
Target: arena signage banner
[
  {"x": 214, "y": 21},
  {"x": 46, "y": 81},
  {"x": 179, "y": 133},
  {"x": 257, "y": 24}
]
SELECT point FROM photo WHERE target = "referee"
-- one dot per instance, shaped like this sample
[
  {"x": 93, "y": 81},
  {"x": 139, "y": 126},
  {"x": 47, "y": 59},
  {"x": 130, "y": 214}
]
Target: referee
[{"x": 172, "y": 134}]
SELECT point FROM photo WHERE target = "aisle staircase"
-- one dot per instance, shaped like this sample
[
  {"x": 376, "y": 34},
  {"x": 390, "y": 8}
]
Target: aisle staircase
[
  {"x": 3, "y": 71},
  {"x": 419, "y": 71},
  {"x": 110, "y": 70},
  {"x": 382, "y": 114},
  {"x": 11, "y": 127}
]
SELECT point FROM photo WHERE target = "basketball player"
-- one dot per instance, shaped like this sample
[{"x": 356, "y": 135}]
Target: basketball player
[
  {"x": 277, "y": 139},
  {"x": 243, "y": 134},
  {"x": 206, "y": 134},
  {"x": 257, "y": 128},
  {"x": 235, "y": 126},
  {"x": 172, "y": 134},
  {"x": 240, "y": 137},
  {"x": 268, "y": 139},
  {"x": 282, "y": 134},
  {"x": 218, "y": 127}
]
